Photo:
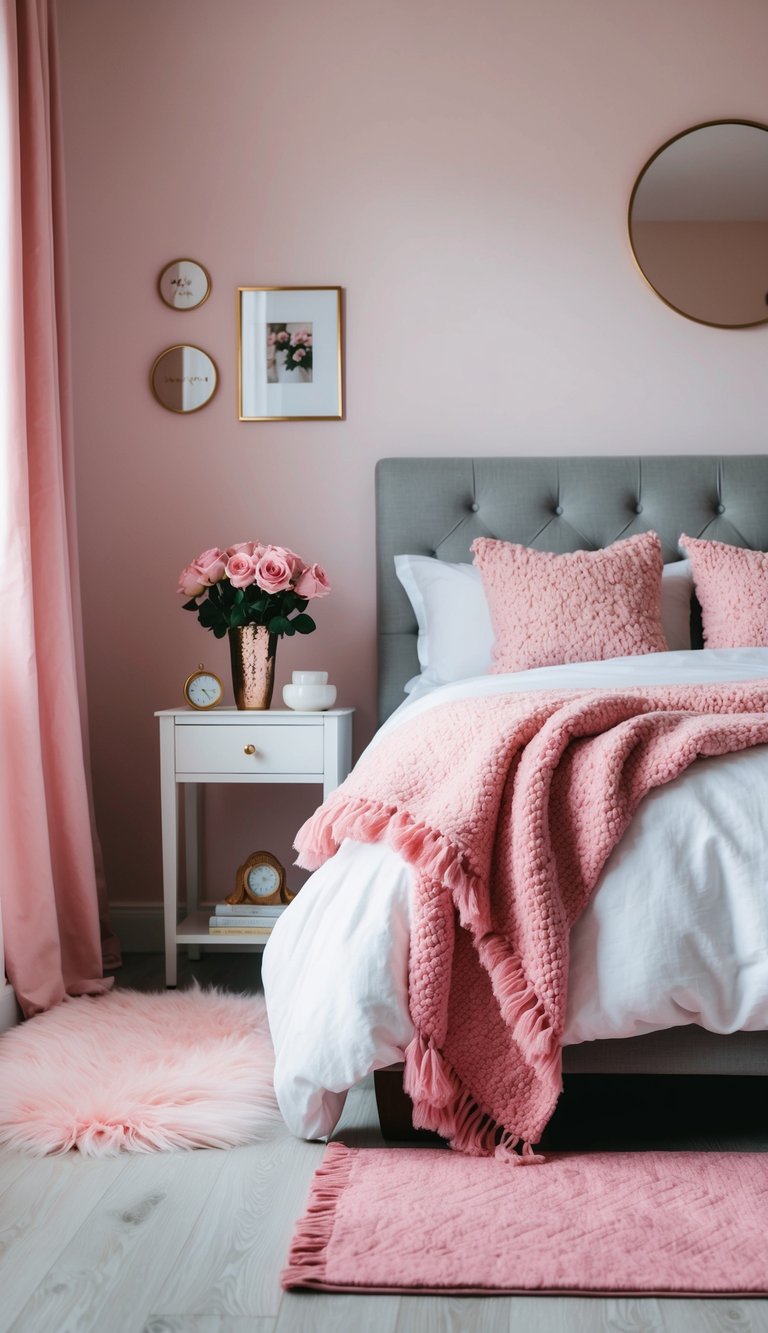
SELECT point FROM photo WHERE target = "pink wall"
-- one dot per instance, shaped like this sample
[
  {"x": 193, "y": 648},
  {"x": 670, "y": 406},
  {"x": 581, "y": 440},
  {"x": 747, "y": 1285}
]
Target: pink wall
[{"x": 463, "y": 170}]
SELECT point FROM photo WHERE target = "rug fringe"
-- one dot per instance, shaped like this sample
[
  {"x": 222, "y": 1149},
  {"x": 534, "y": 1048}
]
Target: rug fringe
[{"x": 307, "y": 1256}]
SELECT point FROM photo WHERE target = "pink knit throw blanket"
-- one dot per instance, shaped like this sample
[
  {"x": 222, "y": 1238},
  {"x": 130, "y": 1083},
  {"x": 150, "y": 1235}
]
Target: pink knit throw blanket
[{"x": 507, "y": 809}]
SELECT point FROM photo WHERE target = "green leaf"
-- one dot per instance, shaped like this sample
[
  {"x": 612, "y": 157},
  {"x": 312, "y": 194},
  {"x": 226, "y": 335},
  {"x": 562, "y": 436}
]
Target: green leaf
[
  {"x": 219, "y": 631},
  {"x": 303, "y": 624},
  {"x": 279, "y": 625},
  {"x": 190, "y": 606},
  {"x": 239, "y": 596}
]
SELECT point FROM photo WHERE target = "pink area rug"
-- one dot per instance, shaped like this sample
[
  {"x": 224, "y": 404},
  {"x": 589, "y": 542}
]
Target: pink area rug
[
  {"x": 137, "y": 1072},
  {"x": 420, "y": 1220}
]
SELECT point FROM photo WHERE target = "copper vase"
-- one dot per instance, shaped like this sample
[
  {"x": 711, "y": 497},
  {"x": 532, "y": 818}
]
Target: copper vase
[{"x": 252, "y": 651}]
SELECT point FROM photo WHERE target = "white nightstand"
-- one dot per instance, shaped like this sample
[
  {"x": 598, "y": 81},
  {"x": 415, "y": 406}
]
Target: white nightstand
[{"x": 229, "y": 745}]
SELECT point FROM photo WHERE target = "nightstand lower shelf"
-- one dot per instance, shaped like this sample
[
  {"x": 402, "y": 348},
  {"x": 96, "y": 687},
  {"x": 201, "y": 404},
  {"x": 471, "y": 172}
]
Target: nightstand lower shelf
[{"x": 194, "y": 930}]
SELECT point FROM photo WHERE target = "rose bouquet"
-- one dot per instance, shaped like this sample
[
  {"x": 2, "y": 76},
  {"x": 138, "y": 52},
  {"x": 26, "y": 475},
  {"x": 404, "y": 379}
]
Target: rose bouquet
[
  {"x": 297, "y": 347},
  {"x": 251, "y": 584}
]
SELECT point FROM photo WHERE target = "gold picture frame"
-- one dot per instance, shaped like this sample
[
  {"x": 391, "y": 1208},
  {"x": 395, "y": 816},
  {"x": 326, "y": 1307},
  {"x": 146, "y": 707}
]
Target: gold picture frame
[{"x": 289, "y": 354}]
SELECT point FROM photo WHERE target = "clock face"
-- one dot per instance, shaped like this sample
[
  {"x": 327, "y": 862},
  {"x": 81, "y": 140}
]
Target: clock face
[
  {"x": 263, "y": 881},
  {"x": 204, "y": 690}
]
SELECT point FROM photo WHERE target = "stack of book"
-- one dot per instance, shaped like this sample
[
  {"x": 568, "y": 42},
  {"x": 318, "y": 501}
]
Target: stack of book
[{"x": 245, "y": 919}]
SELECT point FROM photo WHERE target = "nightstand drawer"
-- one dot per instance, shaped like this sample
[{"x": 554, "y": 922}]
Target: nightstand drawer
[{"x": 276, "y": 749}]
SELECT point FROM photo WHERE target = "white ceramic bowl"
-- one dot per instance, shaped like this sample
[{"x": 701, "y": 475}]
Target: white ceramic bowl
[
  {"x": 310, "y": 677},
  {"x": 309, "y": 698}
]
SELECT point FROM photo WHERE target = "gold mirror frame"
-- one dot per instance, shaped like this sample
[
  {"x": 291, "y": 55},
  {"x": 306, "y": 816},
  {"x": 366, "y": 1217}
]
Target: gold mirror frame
[
  {"x": 195, "y": 264},
  {"x": 703, "y": 125},
  {"x": 181, "y": 347}
]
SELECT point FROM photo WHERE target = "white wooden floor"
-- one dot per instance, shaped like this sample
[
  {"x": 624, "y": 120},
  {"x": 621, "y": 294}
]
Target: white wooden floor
[{"x": 194, "y": 1243}]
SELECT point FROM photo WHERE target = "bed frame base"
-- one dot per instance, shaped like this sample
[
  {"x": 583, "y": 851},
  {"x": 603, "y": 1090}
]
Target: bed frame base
[{"x": 685, "y": 1052}]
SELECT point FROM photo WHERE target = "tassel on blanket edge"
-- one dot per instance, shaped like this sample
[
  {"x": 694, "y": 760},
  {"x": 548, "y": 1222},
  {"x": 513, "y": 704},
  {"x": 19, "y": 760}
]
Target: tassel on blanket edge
[
  {"x": 441, "y": 1105},
  {"x": 368, "y": 821},
  {"x": 520, "y": 1007}
]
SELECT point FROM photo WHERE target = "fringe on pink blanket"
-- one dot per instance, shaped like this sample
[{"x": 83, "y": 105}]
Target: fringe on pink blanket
[{"x": 507, "y": 809}]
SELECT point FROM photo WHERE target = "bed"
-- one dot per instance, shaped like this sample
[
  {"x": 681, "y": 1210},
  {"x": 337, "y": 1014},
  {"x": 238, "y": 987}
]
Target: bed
[{"x": 317, "y": 987}]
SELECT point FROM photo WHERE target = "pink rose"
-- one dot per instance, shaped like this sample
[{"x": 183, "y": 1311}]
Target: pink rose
[
  {"x": 299, "y": 354},
  {"x": 282, "y": 337},
  {"x": 211, "y": 564},
  {"x": 190, "y": 582},
  {"x": 246, "y": 547},
  {"x": 241, "y": 570},
  {"x": 274, "y": 569},
  {"x": 295, "y": 561},
  {"x": 313, "y": 583}
]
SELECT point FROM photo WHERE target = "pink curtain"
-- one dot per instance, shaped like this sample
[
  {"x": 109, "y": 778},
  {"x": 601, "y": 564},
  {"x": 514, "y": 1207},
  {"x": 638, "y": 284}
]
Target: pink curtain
[{"x": 51, "y": 881}]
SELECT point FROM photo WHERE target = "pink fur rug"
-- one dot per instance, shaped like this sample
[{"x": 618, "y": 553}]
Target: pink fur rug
[
  {"x": 139, "y": 1072},
  {"x": 630, "y": 1223}
]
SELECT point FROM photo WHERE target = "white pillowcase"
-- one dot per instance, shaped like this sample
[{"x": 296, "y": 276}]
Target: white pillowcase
[
  {"x": 676, "y": 594},
  {"x": 455, "y": 632}
]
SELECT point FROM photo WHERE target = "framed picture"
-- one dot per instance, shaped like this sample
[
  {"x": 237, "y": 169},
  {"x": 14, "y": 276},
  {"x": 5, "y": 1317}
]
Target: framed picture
[{"x": 289, "y": 353}]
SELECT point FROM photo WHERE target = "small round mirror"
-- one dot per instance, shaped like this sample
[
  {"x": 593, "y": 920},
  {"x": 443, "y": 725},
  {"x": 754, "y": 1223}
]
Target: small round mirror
[
  {"x": 184, "y": 378},
  {"x": 184, "y": 284},
  {"x": 698, "y": 223}
]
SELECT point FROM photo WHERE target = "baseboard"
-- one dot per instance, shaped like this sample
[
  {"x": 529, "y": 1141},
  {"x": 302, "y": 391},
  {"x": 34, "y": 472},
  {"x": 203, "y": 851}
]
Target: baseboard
[
  {"x": 9, "y": 1009},
  {"x": 138, "y": 926}
]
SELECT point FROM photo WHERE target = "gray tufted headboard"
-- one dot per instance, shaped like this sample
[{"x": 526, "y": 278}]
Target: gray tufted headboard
[{"x": 437, "y": 506}]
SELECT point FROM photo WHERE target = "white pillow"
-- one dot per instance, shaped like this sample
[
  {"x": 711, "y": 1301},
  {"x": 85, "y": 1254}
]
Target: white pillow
[
  {"x": 455, "y": 633},
  {"x": 676, "y": 593}
]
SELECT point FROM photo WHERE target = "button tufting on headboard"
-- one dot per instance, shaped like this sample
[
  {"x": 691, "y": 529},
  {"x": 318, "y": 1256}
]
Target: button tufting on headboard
[{"x": 427, "y": 504}]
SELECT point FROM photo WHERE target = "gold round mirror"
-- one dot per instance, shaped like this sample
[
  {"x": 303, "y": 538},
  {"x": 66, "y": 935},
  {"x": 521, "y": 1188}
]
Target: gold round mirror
[
  {"x": 698, "y": 223},
  {"x": 184, "y": 378},
  {"x": 184, "y": 284}
]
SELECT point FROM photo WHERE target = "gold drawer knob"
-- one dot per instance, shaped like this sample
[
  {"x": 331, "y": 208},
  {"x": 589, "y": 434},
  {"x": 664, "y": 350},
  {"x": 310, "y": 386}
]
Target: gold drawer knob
[{"x": 249, "y": 749}]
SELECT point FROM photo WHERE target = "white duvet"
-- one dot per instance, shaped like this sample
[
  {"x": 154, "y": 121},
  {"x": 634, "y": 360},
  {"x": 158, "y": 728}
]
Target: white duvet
[{"x": 676, "y": 933}]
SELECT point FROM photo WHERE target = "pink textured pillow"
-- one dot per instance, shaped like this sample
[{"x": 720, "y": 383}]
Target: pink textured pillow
[
  {"x": 582, "y": 607},
  {"x": 732, "y": 587}
]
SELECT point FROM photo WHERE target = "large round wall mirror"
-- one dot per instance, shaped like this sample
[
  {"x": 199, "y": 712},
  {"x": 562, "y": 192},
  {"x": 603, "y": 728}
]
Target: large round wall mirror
[{"x": 698, "y": 223}]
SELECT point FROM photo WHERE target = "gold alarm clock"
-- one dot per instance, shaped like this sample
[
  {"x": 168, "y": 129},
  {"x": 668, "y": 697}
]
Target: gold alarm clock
[
  {"x": 260, "y": 879},
  {"x": 203, "y": 689}
]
